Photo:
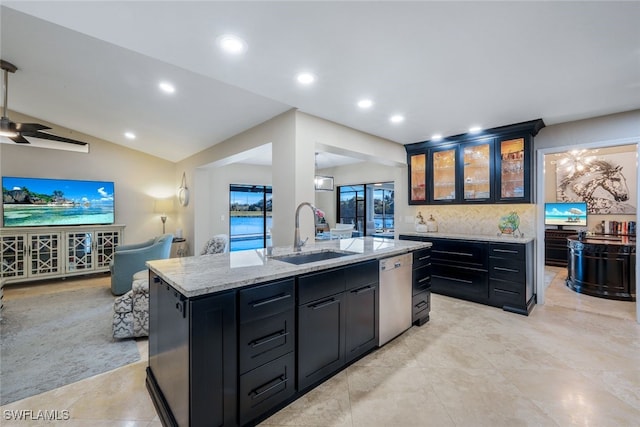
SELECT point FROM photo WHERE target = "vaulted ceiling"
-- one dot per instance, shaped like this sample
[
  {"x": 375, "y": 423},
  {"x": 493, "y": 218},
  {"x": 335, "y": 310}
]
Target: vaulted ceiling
[{"x": 444, "y": 66}]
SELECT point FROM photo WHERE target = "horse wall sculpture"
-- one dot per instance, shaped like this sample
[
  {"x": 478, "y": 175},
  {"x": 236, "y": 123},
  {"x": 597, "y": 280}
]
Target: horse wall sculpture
[{"x": 599, "y": 183}]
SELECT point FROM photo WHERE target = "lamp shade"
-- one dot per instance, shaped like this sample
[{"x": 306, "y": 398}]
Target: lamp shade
[{"x": 164, "y": 206}]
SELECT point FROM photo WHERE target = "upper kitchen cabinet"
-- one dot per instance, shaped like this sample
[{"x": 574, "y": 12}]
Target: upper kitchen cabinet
[{"x": 493, "y": 166}]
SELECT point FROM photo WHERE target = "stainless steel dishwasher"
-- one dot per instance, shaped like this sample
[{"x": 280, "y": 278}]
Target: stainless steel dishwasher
[{"x": 395, "y": 297}]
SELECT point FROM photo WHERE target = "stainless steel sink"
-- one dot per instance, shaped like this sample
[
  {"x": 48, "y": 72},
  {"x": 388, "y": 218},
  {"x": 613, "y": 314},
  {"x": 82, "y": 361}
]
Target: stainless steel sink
[{"x": 304, "y": 258}]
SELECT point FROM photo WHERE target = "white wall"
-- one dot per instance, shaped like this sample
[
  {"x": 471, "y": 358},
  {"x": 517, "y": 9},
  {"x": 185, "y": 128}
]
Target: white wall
[{"x": 139, "y": 178}]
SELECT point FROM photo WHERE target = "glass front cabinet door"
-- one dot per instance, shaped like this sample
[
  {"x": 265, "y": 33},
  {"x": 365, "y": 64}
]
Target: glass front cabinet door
[
  {"x": 476, "y": 171},
  {"x": 443, "y": 174},
  {"x": 512, "y": 158},
  {"x": 418, "y": 178}
]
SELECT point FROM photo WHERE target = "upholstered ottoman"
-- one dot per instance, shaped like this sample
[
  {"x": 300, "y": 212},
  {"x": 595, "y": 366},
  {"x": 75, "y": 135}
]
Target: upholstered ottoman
[{"x": 131, "y": 310}]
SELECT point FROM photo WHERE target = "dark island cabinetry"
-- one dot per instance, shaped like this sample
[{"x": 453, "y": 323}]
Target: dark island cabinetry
[
  {"x": 198, "y": 337},
  {"x": 492, "y": 273},
  {"x": 337, "y": 319},
  {"x": 421, "y": 288}
]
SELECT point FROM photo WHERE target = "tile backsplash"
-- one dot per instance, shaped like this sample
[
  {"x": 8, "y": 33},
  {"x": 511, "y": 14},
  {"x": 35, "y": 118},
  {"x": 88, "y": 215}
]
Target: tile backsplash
[{"x": 476, "y": 219}]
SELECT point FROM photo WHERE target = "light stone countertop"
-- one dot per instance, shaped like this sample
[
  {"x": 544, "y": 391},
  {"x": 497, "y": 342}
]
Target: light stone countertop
[
  {"x": 505, "y": 238},
  {"x": 208, "y": 274}
]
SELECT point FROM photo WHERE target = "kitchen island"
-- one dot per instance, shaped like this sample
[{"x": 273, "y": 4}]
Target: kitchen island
[{"x": 235, "y": 337}]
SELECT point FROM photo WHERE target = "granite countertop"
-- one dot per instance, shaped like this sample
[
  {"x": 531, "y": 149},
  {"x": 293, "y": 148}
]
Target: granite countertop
[
  {"x": 607, "y": 241},
  {"x": 207, "y": 274},
  {"x": 505, "y": 238}
]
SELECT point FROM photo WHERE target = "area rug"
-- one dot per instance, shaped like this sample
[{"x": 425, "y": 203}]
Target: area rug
[{"x": 56, "y": 339}]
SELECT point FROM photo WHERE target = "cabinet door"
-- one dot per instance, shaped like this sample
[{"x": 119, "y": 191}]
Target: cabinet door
[
  {"x": 44, "y": 254},
  {"x": 443, "y": 175},
  {"x": 418, "y": 178},
  {"x": 362, "y": 320},
  {"x": 105, "y": 244},
  {"x": 513, "y": 160},
  {"x": 321, "y": 340},
  {"x": 13, "y": 256},
  {"x": 213, "y": 357},
  {"x": 79, "y": 251},
  {"x": 476, "y": 171}
]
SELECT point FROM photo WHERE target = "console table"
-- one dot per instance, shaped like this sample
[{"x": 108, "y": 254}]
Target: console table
[{"x": 603, "y": 266}]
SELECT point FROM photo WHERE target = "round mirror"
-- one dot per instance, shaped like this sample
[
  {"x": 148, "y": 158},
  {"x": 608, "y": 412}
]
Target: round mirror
[{"x": 183, "y": 196}]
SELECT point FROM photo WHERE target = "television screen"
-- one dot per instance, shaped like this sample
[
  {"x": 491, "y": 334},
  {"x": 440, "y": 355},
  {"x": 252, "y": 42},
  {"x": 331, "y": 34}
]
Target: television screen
[
  {"x": 568, "y": 213},
  {"x": 37, "y": 202}
]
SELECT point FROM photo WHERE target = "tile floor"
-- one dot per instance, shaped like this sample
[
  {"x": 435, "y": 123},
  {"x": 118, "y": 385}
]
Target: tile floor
[{"x": 574, "y": 361}]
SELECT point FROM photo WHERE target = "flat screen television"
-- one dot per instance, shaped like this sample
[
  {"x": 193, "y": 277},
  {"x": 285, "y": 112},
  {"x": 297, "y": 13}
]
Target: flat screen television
[
  {"x": 38, "y": 202},
  {"x": 565, "y": 213}
]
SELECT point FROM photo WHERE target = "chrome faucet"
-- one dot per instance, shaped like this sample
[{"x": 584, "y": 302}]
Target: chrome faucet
[{"x": 297, "y": 243}]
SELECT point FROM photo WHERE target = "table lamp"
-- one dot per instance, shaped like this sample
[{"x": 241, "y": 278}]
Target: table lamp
[{"x": 164, "y": 207}]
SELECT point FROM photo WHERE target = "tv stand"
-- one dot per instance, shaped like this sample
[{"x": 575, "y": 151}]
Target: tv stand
[
  {"x": 555, "y": 246},
  {"x": 36, "y": 253}
]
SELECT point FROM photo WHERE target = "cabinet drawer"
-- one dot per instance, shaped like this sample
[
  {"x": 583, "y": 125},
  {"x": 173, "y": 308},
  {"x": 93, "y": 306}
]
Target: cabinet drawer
[
  {"x": 460, "y": 282},
  {"x": 513, "y": 271},
  {"x": 266, "y": 300},
  {"x": 458, "y": 252},
  {"x": 319, "y": 285},
  {"x": 421, "y": 305},
  {"x": 421, "y": 257},
  {"x": 364, "y": 273},
  {"x": 507, "y": 251},
  {"x": 265, "y": 387},
  {"x": 506, "y": 293},
  {"x": 266, "y": 339},
  {"x": 421, "y": 278}
]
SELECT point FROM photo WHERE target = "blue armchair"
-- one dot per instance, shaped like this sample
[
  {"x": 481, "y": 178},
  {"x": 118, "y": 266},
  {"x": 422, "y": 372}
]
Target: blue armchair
[{"x": 129, "y": 259}]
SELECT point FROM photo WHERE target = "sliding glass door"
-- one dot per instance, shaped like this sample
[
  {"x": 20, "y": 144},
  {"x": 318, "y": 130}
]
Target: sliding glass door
[
  {"x": 369, "y": 207},
  {"x": 249, "y": 216}
]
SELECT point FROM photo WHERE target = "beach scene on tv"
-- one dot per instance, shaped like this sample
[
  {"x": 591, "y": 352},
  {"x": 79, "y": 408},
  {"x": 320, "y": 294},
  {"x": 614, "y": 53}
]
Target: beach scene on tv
[
  {"x": 30, "y": 202},
  {"x": 565, "y": 214}
]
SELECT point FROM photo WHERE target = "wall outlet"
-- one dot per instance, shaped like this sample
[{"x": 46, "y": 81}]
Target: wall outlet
[{"x": 221, "y": 217}]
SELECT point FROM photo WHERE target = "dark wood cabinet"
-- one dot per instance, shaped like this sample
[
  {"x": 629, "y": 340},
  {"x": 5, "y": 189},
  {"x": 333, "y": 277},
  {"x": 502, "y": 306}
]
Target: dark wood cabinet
[
  {"x": 510, "y": 281},
  {"x": 555, "y": 247},
  {"x": 192, "y": 362},
  {"x": 491, "y": 273},
  {"x": 421, "y": 287},
  {"x": 337, "y": 319},
  {"x": 493, "y": 166}
]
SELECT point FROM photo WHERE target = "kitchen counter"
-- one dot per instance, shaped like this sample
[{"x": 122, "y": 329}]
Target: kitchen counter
[
  {"x": 208, "y": 274},
  {"x": 479, "y": 237}
]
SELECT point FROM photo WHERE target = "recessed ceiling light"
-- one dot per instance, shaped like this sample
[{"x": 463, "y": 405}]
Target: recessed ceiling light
[
  {"x": 397, "y": 118},
  {"x": 232, "y": 44},
  {"x": 306, "y": 78},
  {"x": 365, "y": 103},
  {"x": 475, "y": 129},
  {"x": 166, "y": 87},
  {"x": 130, "y": 135},
  {"x": 436, "y": 137}
]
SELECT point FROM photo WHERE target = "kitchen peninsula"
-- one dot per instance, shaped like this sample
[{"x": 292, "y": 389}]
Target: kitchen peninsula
[{"x": 235, "y": 337}]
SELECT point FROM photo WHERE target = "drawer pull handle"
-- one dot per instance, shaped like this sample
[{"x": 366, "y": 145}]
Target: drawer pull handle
[
  {"x": 324, "y": 303},
  {"x": 424, "y": 257},
  {"x": 362, "y": 290},
  {"x": 270, "y": 300},
  {"x": 453, "y": 253},
  {"x": 504, "y": 291},
  {"x": 507, "y": 251},
  {"x": 510, "y": 270},
  {"x": 424, "y": 279},
  {"x": 421, "y": 304},
  {"x": 276, "y": 382},
  {"x": 468, "y": 282},
  {"x": 264, "y": 340}
]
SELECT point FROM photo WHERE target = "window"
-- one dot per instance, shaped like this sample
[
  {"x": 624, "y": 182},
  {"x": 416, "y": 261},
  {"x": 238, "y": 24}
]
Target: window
[
  {"x": 249, "y": 216},
  {"x": 369, "y": 207}
]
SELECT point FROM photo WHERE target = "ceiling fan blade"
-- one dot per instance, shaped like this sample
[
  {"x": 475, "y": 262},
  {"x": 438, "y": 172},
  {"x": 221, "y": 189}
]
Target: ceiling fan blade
[
  {"x": 30, "y": 127},
  {"x": 49, "y": 136},
  {"x": 19, "y": 139}
]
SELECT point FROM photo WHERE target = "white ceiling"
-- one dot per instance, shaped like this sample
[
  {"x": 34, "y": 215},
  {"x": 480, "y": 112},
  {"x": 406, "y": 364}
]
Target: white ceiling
[{"x": 94, "y": 66}]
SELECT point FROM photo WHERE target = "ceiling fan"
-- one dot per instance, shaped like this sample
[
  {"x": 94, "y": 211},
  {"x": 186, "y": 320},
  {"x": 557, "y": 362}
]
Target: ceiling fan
[{"x": 17, "y": 131}]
